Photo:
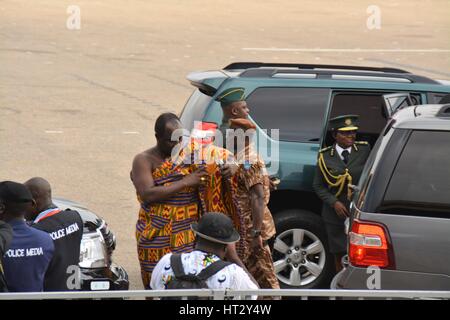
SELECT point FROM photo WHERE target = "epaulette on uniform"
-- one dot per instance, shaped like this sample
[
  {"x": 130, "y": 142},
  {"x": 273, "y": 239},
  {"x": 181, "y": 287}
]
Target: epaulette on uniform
[
  {"x": 325, "y": 149},
  {"x": 360, "y": 143}
]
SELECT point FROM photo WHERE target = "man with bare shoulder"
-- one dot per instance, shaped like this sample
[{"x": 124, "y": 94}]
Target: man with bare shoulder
[{"x": 167, "y": 191}]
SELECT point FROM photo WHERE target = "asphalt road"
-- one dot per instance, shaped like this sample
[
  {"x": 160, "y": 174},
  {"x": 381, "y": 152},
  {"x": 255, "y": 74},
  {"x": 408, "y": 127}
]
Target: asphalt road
[{"x": 77, "y": 105}]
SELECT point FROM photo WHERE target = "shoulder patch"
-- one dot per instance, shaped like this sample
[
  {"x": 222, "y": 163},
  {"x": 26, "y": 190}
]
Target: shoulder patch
[{"x": 325, "y": 149}]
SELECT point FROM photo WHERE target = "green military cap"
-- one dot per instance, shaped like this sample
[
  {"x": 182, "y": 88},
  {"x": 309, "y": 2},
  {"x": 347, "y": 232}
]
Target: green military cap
[
  {"x": 346, "y": 122},
  {"x": 230, "y": 95}
]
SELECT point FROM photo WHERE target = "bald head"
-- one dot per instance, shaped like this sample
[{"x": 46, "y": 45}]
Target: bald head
[{"x": 41, "y": 192}]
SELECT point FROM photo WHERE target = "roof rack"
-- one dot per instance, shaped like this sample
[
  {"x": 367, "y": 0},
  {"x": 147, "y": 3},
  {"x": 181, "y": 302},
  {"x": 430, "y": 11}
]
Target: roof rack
[
  {"x": 335, "y": 75},
  {"x": 249, "y": 65}
]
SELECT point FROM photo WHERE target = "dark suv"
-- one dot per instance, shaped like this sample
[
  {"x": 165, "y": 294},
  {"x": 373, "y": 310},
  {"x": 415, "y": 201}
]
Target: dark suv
[
  {"x": 298, "y": 99},
  {"x": 401, "y": 210}
]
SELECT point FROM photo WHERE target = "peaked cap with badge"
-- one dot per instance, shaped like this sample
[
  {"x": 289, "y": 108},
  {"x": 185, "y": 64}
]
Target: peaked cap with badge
[{"x": 344, "y": 123}]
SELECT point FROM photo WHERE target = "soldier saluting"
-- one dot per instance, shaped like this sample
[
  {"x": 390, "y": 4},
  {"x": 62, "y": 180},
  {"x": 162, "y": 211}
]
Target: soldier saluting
[{"x": 339, "y": 166}]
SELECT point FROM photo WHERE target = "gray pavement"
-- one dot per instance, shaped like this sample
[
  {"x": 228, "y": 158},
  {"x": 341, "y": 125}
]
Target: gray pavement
[{"x": 77, "y": 105}]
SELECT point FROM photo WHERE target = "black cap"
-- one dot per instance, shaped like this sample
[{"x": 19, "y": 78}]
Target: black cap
[
  {"x": 13, "y": 192},
  {"x": 216, "y": 227}
]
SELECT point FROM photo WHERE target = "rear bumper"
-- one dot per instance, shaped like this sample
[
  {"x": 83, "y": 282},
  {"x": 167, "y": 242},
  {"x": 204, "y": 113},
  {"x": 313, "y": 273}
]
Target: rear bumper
[
  {"x": 113, "y": 278},
  {"x": 369, "y": 279}
]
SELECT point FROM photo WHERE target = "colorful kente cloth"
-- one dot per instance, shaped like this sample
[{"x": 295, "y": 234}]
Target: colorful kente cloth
[
  {"x": 165, "y": 226},
  {"x": 219, "y": 194}
]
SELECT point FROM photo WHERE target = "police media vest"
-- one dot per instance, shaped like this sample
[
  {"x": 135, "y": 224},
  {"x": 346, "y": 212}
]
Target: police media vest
[
  {"x": 66, "y": 230},
  {"x": 27, "y": 259}
]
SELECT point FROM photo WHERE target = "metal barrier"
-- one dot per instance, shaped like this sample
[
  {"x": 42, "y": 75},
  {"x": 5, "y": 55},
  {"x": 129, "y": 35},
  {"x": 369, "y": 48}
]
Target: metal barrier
[{"x": 223, "y": 294}]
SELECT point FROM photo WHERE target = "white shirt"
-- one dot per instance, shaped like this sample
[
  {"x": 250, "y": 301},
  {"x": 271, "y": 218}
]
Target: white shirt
[
  {"x": 231, "y": 277},
  {"x": 340, "y": 150}
]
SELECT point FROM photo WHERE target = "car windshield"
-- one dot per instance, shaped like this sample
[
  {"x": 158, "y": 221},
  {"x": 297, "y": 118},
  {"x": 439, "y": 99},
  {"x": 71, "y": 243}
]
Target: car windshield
[{"x": 421, "y": 180}]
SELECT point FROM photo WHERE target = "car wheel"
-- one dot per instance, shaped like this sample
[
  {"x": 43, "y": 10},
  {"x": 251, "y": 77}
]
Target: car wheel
[{"x": 300, "y": 251}]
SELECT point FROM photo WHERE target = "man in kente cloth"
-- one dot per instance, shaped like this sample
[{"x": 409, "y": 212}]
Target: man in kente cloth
[{"x": 173, "y": 193}]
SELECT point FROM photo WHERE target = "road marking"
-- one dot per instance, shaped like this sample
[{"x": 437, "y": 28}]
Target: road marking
[
  {"x": 347, "y": 50},
  {"x": 130, "y": 132},
  {"x": 53, "y": 131}
]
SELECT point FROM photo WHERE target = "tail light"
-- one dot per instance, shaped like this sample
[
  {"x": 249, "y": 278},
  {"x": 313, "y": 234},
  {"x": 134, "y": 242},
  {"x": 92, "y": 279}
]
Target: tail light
[
  {"x": 369, "y": 246},
  {"x": 204, "y": 132}
]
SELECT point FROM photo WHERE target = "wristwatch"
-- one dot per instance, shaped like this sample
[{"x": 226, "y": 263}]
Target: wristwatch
[{"x": 255, "y": 233}]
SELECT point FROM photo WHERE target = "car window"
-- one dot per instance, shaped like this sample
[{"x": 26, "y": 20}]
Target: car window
[
  {"x": 365, "y": 177},
  {"x": 371, "y": 164},
  {"x": 297, "y": 112},
  {"x": 416, "y": 98},
  {"x": 194, "y": 109},
  {"x": 436, "y": 97},
  {"x": 369, "y": 107},
  {"x": 399, "y": 102},
  {"x": 421, "y": 180}
]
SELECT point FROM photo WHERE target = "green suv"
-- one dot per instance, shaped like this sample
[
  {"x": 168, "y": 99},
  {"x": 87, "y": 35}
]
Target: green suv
[{"x": 298, "y": 99}]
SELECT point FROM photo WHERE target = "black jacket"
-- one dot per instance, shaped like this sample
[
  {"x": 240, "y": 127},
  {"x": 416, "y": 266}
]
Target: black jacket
[{"x": 66, "y": 230}]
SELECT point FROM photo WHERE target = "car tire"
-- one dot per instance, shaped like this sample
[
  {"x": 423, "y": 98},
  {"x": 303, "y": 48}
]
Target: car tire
[{"x": 292, "y": 226}]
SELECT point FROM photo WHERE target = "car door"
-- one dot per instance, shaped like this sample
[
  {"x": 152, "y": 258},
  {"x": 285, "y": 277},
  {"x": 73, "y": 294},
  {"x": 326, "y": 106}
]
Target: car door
[{"x": 396, "y": 101}]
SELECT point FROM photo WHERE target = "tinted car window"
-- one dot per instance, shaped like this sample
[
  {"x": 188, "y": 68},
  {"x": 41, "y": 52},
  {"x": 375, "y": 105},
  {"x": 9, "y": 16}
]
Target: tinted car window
[
  {"x": 421, "y": 180},
  {"x": 194, "y": 109},
  {"x": 369, "y": 107},
  {"x": 297, "y": 112},
  {"x": 438, "y": 97},
  {"x": 364, "y": 178}
]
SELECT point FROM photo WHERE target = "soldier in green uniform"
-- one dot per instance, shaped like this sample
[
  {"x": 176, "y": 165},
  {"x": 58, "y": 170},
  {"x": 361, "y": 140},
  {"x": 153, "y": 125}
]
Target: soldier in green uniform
[
  {"x": 234, "y": 107},
  {"x": 339, "y": 166}
]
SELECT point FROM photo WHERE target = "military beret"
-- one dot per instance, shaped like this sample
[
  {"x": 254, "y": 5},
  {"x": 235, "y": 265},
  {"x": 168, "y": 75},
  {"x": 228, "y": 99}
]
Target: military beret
[
  {"x": 347, "y": 122},
  {"x": 230, "y": 95},
  {"x": 13, "y": 192}
]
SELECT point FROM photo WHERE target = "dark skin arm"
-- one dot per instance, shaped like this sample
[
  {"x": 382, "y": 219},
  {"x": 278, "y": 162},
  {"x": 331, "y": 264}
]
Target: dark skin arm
[
  {"x": 340, "y": 209},
  {"x": 257, "y": 205},
  {"x": 142, "y": 178},
  {"x": 232, "y": 256}
]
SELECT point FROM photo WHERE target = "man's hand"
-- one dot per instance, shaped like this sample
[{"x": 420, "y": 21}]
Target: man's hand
[
  {"x": 195, "y": 178},
  {"x": 257, "y": 243},
  {"x": 341, "y": 210},
  {"x": 229, "y": 170},
  {"x": 274, "y": 182}
]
